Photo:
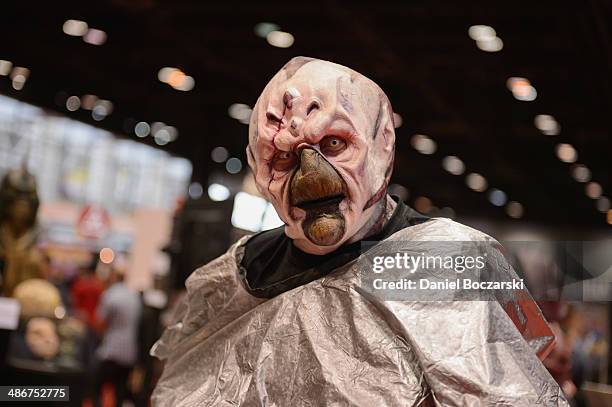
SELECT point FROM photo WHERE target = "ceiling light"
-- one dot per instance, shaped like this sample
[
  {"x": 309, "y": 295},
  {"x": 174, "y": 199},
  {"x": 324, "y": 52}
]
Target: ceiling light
[
  {"x": 75, "y": 28},
  {"x": 593, "y": 190},
  {"x": 142, "y": 129},
  {"x": 18, "y": 82},
  {"x": 453, "y": 164},
  {"x": 73, "y": 103},
  {"x": 481, "y": 32},
  {"x": 218, "y": 192},
  {"x": 164, "y": 74},
  {"x": 547, "y": 124},
  {"x": 240, "y": 112},
  {"x": 581, "y": 173},
  {"x": 95, "y": 37},
  {"x": 233, "y": 165},
  {"x": 397, "y": 120},
  {"x": 263, "y": 29},
  {"x": 521, "y": 89},
  {"x": 172, "y": 132},
  {"x": 162, "y": 137},
  {"x": 88, "y": 101},
  {"x": 195, "y": 190},
  {"x": 566, "y": 153},
  {"x": 423, "y": 144},
  {"x": 176, "y": 78},
  {"x": 280, "y": 39},
  {"x": 490, "y": 45},
  {"x": 219, "y": 154},
  {"x": 104, "y": 107},
  {"x": 476, "y": 182},
  {"x": 603, "y": 204},
  {"x": 186, "y": 84},
  {"x": 498, "y": 197},
  {"x": 5, "y": 67},
  {"x": 20, "y": 71},
  {"x": 514, "y": 209}
]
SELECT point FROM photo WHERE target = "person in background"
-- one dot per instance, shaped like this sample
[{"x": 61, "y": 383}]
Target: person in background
[
  {"x": 119, "y": 313},
  {"x": 86, "y": 292}
]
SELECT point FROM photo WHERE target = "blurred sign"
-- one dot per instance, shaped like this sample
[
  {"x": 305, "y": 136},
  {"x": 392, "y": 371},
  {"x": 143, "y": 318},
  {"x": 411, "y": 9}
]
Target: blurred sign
[{"x": 93, "y": 223}]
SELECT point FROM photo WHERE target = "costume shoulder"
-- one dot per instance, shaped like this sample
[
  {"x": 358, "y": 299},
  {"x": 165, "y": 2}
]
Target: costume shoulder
[
  {"x": 441, "y": 229},
  {"x": 215, "y": 295},
  {"x": 520, "y": 307}
]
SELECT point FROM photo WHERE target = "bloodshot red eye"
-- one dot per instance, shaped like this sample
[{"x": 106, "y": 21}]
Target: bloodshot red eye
[
  {"x": 332, "y": 145},
  {"x": 284, "y": 160}
]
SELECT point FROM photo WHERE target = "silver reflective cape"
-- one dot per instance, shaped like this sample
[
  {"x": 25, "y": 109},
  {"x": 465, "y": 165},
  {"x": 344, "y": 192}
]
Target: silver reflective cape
[{"x": 328, "y": 343}]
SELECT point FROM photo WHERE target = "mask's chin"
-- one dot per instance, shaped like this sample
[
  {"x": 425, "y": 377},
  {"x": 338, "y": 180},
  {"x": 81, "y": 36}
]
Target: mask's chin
[{"x": 324, "y": 224}]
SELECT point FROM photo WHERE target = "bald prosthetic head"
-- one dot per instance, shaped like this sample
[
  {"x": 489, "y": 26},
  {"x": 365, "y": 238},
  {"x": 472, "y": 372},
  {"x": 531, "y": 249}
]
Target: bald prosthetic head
[{"x": 321, "y": 144}]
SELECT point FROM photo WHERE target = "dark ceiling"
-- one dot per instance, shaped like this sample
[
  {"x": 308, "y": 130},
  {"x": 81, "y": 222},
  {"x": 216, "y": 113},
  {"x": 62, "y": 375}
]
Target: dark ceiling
[{"x": 418, "y": 51}]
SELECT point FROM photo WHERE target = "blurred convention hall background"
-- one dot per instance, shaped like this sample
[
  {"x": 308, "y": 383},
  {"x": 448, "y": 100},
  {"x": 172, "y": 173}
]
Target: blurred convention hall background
[{"x": 132, "y": 115}]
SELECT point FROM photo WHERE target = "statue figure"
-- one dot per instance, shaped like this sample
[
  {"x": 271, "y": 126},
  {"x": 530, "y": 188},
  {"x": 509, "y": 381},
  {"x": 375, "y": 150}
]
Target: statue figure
[{"x": 20, "y": 260}]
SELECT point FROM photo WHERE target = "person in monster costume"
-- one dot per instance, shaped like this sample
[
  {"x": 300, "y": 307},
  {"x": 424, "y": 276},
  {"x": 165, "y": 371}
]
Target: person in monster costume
[{"x": 283, "y": 319}]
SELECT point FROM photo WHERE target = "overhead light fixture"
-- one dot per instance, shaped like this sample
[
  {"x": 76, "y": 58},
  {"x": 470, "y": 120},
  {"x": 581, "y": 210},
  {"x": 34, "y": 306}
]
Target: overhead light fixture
[
  {"x": 233, "y": 165},
  {"x": 219, "y": 154},
  {"x": 75, "y": 28},
  {"x": 263, "y": 29},
  {"x": 603, "y": 204},
  {"x": 486, "y": 38},
  {"x": 521, "y": 89},
  {"x": 593, "y": 190},
  {"x": 481, "y": 32},
  {"x": 73, "y": 103},
  {"x": 176, "y": 78},
  {"x": 423, "y": 144},
  {"x": 142, "y": 129},
  {"x": 5, "y": 67},
  {"x": 163, "y": 134},
  {"x": 453, "y": 164},
  {"x": 18, "y": 82},
  {"x": 88, "y": 101},
  {"x": 240, "y": 112},
  {"x": 397, "y": 120},
  {"x": 498, "y": 197},
  {"x": 547, "y": 124},
  {"x": 280, "y": 39},
  {"x": 19, "y": 75},
  {"x": 566, "y": 153},
  {"x": 514, "y": 209},
  {"x": 493, "y": 45},
  {"x": 195, "y": 190},
  {"x": 581, "y": 173},
  {"x": 218, "y": 192},
  {"x": 476, "y": 182},
  {"x": 95, "y": 37}
]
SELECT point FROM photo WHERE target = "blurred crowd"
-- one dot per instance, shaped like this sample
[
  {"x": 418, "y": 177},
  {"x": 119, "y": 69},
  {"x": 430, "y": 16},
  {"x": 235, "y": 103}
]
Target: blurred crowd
[{"x": 86, "y": 329}]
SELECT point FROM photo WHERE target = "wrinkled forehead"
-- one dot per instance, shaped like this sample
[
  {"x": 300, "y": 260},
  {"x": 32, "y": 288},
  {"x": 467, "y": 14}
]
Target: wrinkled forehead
[
  {"x": 331, "y": 83},
  {"x": 303, "y": 81}
]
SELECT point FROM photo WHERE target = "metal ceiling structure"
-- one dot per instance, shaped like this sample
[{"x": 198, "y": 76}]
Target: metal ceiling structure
[{"x": 419, "y": 52}]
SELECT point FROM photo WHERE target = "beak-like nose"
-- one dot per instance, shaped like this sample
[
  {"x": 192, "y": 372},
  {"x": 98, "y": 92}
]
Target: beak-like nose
[{"x": 315, "y": 179}]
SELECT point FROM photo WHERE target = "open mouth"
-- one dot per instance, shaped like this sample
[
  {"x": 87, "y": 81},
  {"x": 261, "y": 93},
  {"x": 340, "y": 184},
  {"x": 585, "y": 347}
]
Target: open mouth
[{"x": 321, "y": 202}]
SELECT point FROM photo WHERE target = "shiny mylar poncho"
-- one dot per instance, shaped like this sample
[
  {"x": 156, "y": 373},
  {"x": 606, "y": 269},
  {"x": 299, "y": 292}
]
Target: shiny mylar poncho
[{"x": 330, "y": 343}]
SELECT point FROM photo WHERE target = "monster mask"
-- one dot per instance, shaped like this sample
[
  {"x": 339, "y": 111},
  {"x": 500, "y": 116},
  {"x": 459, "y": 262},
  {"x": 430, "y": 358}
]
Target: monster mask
[{"x": 321, "y": 145}]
